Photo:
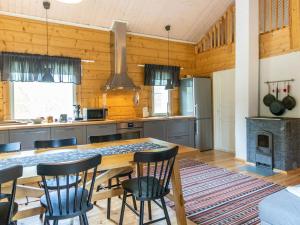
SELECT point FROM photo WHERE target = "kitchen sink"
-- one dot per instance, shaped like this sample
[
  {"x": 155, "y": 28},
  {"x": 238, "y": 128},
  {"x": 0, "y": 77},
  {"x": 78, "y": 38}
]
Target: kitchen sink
[{"x": 11, "y": 123}]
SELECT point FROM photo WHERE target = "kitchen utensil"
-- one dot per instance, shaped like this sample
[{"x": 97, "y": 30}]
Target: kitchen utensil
[
  {"x": 269, "y": 98},
  {"x": 288, "y": 101},
  {"x": 37, "y": 120},
  {"x": 63, "y": 118},
  {"x": 50, "y": 119},
  {"x": 277, "y": 108}
]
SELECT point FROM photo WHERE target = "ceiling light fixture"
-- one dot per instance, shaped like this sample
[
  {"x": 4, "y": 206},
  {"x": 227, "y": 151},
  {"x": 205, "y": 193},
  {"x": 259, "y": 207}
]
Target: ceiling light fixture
[
  {"x": 169, "y": 85},
  {"x": 47, "y": 77},
  {"x": 70, "y": 1}
]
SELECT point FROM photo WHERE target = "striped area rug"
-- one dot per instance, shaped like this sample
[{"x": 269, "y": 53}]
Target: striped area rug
[{"x": 216, "y": 196}]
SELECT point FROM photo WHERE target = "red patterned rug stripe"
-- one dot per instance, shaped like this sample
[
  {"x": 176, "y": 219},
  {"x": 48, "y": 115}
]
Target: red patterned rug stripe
[{"x": 216, "y": 196}]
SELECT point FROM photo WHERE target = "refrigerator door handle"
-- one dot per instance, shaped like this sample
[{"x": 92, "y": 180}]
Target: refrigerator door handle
[{"x": 196, "y": 110}]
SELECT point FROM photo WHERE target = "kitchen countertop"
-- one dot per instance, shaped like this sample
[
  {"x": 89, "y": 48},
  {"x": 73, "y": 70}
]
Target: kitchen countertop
[{"x": 83, "y": 123}]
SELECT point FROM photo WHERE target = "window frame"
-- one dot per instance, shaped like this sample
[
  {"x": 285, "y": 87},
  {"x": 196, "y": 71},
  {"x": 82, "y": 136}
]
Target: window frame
[
  {"x": 12, "y": 98},
  {"x": 168, "y": 104}
]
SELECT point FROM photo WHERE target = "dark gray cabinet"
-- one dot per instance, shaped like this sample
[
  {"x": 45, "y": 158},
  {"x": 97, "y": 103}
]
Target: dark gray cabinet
[
  {"x": 181, "y": 131},
  {"x": 177, "y": 131},
  {"x": 4, "y": 137},
  {"x": 98, "y": 130},
  {"x": 156, "y": 129},
  {"x": 69, "y": 132},
  {"x": 28, "y": 136}
]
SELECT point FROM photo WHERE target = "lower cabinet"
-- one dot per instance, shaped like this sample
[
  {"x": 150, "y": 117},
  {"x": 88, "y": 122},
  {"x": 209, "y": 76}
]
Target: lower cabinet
[
  {"x": 27, "y": 137},
  {"x": 4, "y": 137},
  {"x": 177, "y": 131},
  {"x": 156, "y": 129},
  {"x": 99, "y": 130},
  {"x": 181, "y": 131},
  {"x": 69, "y": 132}
]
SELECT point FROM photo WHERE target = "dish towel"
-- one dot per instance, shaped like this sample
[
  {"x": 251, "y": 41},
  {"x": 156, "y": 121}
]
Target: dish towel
[{"x": 294, "y": 190}]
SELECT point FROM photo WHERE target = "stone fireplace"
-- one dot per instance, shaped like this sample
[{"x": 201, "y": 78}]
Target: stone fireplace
[{"x": 273, "y": 142}]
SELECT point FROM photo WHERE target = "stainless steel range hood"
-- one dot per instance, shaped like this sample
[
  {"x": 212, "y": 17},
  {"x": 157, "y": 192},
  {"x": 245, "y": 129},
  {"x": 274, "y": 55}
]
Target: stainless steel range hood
[{"x": 119, "y": 79}]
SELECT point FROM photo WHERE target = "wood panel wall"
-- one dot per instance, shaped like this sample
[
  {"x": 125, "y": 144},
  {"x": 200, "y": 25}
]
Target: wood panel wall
[{"x": 23, "y": 35}]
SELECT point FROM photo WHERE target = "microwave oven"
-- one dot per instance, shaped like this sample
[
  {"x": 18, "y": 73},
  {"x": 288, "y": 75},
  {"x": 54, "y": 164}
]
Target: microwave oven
[{"x": 94, "y": 113}]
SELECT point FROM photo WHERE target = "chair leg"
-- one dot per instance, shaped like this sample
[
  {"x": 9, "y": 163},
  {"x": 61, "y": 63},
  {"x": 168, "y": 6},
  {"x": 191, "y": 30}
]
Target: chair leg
[
  {"x": 85, "y": 220},
  {"x": 118, "y": 183},
  {"x": 55, "y": 222},
  {"x": 163, "y": 203},
  {"x": 141, "y": 213},
  {"x": 46, "y": 222},
  {"x": 27, "y": 200},
  {"x": 123, "y": 208},
  {"x": 149, "y": 210},
  {"x": 133, "y": 198},
  {"x": 108, "y": 200}
]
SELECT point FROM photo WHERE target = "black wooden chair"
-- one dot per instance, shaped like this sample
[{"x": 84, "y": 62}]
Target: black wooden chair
[
  {"x": 10, "y": 147},
  {"x": 69, "y": 201},
  {"x": 6, "y": 148},
  {"x": 106, "y": 138},
  {"x": 152, "y": 182},
  {"x": 57, "y": 143},
  {"x": 8, "y": 207}
]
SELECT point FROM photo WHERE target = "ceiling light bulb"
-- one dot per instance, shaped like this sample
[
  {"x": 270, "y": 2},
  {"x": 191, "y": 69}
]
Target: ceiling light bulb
[{"x": 70, "y": 1}]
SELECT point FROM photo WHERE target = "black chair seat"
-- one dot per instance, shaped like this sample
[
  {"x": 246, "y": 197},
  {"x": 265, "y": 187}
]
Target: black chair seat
[
  {"x": 73, "y": 204},
  {"x": 3, "y": 196},
  {"x": 52, "y": 183},
  {"x": 4, "y": 207},
  {"x": 154, "y": 189}
]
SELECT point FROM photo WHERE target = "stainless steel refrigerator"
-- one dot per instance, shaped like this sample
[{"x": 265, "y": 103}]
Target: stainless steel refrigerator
[{"x": 196, "y": 100}]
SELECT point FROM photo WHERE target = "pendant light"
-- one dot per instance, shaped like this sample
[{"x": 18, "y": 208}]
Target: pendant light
[
  {"x": 169, "y": 85},
  {"x": 47, "y": 77}
]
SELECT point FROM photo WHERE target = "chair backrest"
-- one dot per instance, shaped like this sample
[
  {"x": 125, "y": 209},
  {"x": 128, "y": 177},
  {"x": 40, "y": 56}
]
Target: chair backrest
[
  {"x": 10, "y": 174},
  {"x": 10, "y": 147},
  {"x": 155, "y": 170},
  {"x": 55, "y": 143},
  {"x": 80, "y": 169},
  {"x": 105, "y": 138}
]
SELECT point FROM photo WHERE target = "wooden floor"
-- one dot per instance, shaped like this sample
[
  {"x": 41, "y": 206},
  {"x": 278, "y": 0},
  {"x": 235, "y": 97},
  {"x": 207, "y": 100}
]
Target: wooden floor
[{"x": 216, "y": 158}]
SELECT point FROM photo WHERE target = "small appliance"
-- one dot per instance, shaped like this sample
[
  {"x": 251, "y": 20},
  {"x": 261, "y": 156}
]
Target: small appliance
[{"x": 94, "y": 113}]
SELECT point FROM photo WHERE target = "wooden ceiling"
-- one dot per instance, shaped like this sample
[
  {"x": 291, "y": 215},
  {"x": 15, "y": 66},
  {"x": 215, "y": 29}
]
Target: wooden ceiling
[{"x": 190, "y": 19}]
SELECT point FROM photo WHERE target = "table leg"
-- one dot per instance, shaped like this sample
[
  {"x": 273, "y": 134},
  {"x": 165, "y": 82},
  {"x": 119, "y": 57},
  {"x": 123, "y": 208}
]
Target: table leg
[{"x": 178, "y": 196}]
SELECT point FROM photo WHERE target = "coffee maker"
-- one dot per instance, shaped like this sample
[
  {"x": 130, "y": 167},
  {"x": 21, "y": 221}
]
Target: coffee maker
[{"x": 77, "y": 112}]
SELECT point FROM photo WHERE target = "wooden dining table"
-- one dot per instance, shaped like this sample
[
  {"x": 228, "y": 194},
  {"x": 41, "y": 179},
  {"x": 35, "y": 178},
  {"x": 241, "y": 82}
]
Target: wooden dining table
[{"x": 112, "y": 165}]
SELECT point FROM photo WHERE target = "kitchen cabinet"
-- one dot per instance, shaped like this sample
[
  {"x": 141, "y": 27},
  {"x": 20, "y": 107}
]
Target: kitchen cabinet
[
  {"x": 99, "y": 130},
  {"x": 69, "y": 132},
  {"x": 27, "y": 137},
  {"x": 177, "y": 131},
  {"x": 156, "y": 129},
  {"x": 181, "y": 131},
  {"x": 4, "y": 137}
]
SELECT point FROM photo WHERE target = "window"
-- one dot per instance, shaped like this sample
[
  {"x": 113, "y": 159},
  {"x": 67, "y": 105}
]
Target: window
[
  {"x": 37, "y": 99},
  {"x": 160, "y": 100}
]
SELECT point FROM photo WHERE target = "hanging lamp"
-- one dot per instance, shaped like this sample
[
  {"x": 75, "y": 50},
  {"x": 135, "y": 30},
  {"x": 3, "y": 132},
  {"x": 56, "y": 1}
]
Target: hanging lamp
[
  {"x": 169, "y": 85},
  {"x": 47, "y": 77}
]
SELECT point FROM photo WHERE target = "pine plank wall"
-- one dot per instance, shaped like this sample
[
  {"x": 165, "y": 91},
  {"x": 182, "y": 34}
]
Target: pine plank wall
[{"x": 24, "y": 35}]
